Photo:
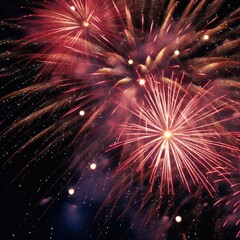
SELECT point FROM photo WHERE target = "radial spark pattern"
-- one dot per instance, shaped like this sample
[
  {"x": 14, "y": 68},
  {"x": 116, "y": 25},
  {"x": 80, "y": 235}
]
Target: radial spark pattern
[{"x": 177, "y": 134}]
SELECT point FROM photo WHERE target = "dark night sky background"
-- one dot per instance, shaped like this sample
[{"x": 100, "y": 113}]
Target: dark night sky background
[{"x": 65, "y": 217}]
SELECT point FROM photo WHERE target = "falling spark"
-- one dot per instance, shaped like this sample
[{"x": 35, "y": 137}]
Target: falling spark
[
  {"x": 93, "y": 166},
  {"x": 178, "y": 219},
  {"x": 176, "y": 52},
  {"x": 142, "y": 81},
  {"x": 205, "y": 37},
  {"x": 71, "y": 191},
  {"x": 82, "y": 113}
]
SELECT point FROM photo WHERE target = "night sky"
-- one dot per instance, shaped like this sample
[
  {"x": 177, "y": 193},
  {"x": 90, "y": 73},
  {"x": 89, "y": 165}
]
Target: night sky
[{"x": 59, "y": 186}]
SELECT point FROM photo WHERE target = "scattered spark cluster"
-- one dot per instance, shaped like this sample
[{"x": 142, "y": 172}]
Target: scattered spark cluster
[{"x": 144, "y": 93}]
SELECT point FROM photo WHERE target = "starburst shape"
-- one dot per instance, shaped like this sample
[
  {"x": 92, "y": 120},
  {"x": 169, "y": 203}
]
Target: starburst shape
[{"x": 178, "y": 134}]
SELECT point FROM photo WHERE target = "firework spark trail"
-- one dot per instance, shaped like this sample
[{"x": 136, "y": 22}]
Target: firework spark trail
[
  {"x": 177, "y": 132},
  {"x": 232, "y": 207}
]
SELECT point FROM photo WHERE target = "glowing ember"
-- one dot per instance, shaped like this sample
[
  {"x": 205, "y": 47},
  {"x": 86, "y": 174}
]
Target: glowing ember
[
  {"x": 82, "y": 113},
  {"x": 178, "y": 219},
  {"x": 142, "y": 81},
  {"x": 130, "y": 61},
  {"x": 176, "y": 52},
  {"x": 71, "y": 191},
  {"x": 73, "y": 8},
  {"x": 205, "y": 37},
  {"x": 93, "y": 166}
]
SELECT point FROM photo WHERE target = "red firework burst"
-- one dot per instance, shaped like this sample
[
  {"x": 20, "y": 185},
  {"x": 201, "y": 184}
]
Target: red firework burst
[
  {"x": 67, "y": 30},
  {"x": 176, "y": 134}
]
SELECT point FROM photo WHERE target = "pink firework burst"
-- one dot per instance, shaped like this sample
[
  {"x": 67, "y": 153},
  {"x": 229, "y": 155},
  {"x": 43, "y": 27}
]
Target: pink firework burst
[
  {"x": 67, "y": 30},
  {"x": 123, "y": 39},
  {"x": 179, "y": 135}
]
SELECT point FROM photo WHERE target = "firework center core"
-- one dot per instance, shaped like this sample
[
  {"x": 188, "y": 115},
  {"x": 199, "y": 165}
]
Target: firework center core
[
  {"x": 85, "y": 24},
  {"x": 167, "y": 135}
]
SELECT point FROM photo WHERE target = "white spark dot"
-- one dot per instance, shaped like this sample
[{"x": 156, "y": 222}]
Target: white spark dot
[
  {"x": 176, "y": 52},
  {"x": 130, "y": 61},
  {"x": 81, "y": 113},
  {"x": 141, "y": 81},
  {"x": 178, "y": 219},
  {"x": 71, "y": 191},
  {"x": 73, "y": 8},
  {"x": 205, "y": 37},
  {"x": 93, "y": 166}
]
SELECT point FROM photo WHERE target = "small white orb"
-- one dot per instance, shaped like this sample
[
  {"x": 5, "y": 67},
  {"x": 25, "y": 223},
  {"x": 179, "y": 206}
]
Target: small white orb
[
  {"x": 206, "y": 37},
  {"x": 178, "y": 219},
  {"x": 176, "y": 52},
  {"x": 71, "y": 191},
  {"x": 73, "y": 8},
  {"x": 142, "y": 81},
  {"x": 93, "y": 166},
  {"x": 130, "y": 61},
  {"x": 81, "y": 113}
]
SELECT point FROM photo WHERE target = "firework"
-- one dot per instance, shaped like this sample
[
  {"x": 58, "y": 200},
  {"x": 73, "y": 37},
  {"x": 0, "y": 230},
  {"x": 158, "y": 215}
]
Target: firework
[
  {"x": 68, "y": 32},
  {"x": 90, "y": 62},
  {"x": 115, "y": 41},
  {"x": 79, "y": 58},
  {"x": 176, "y": 134}
]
